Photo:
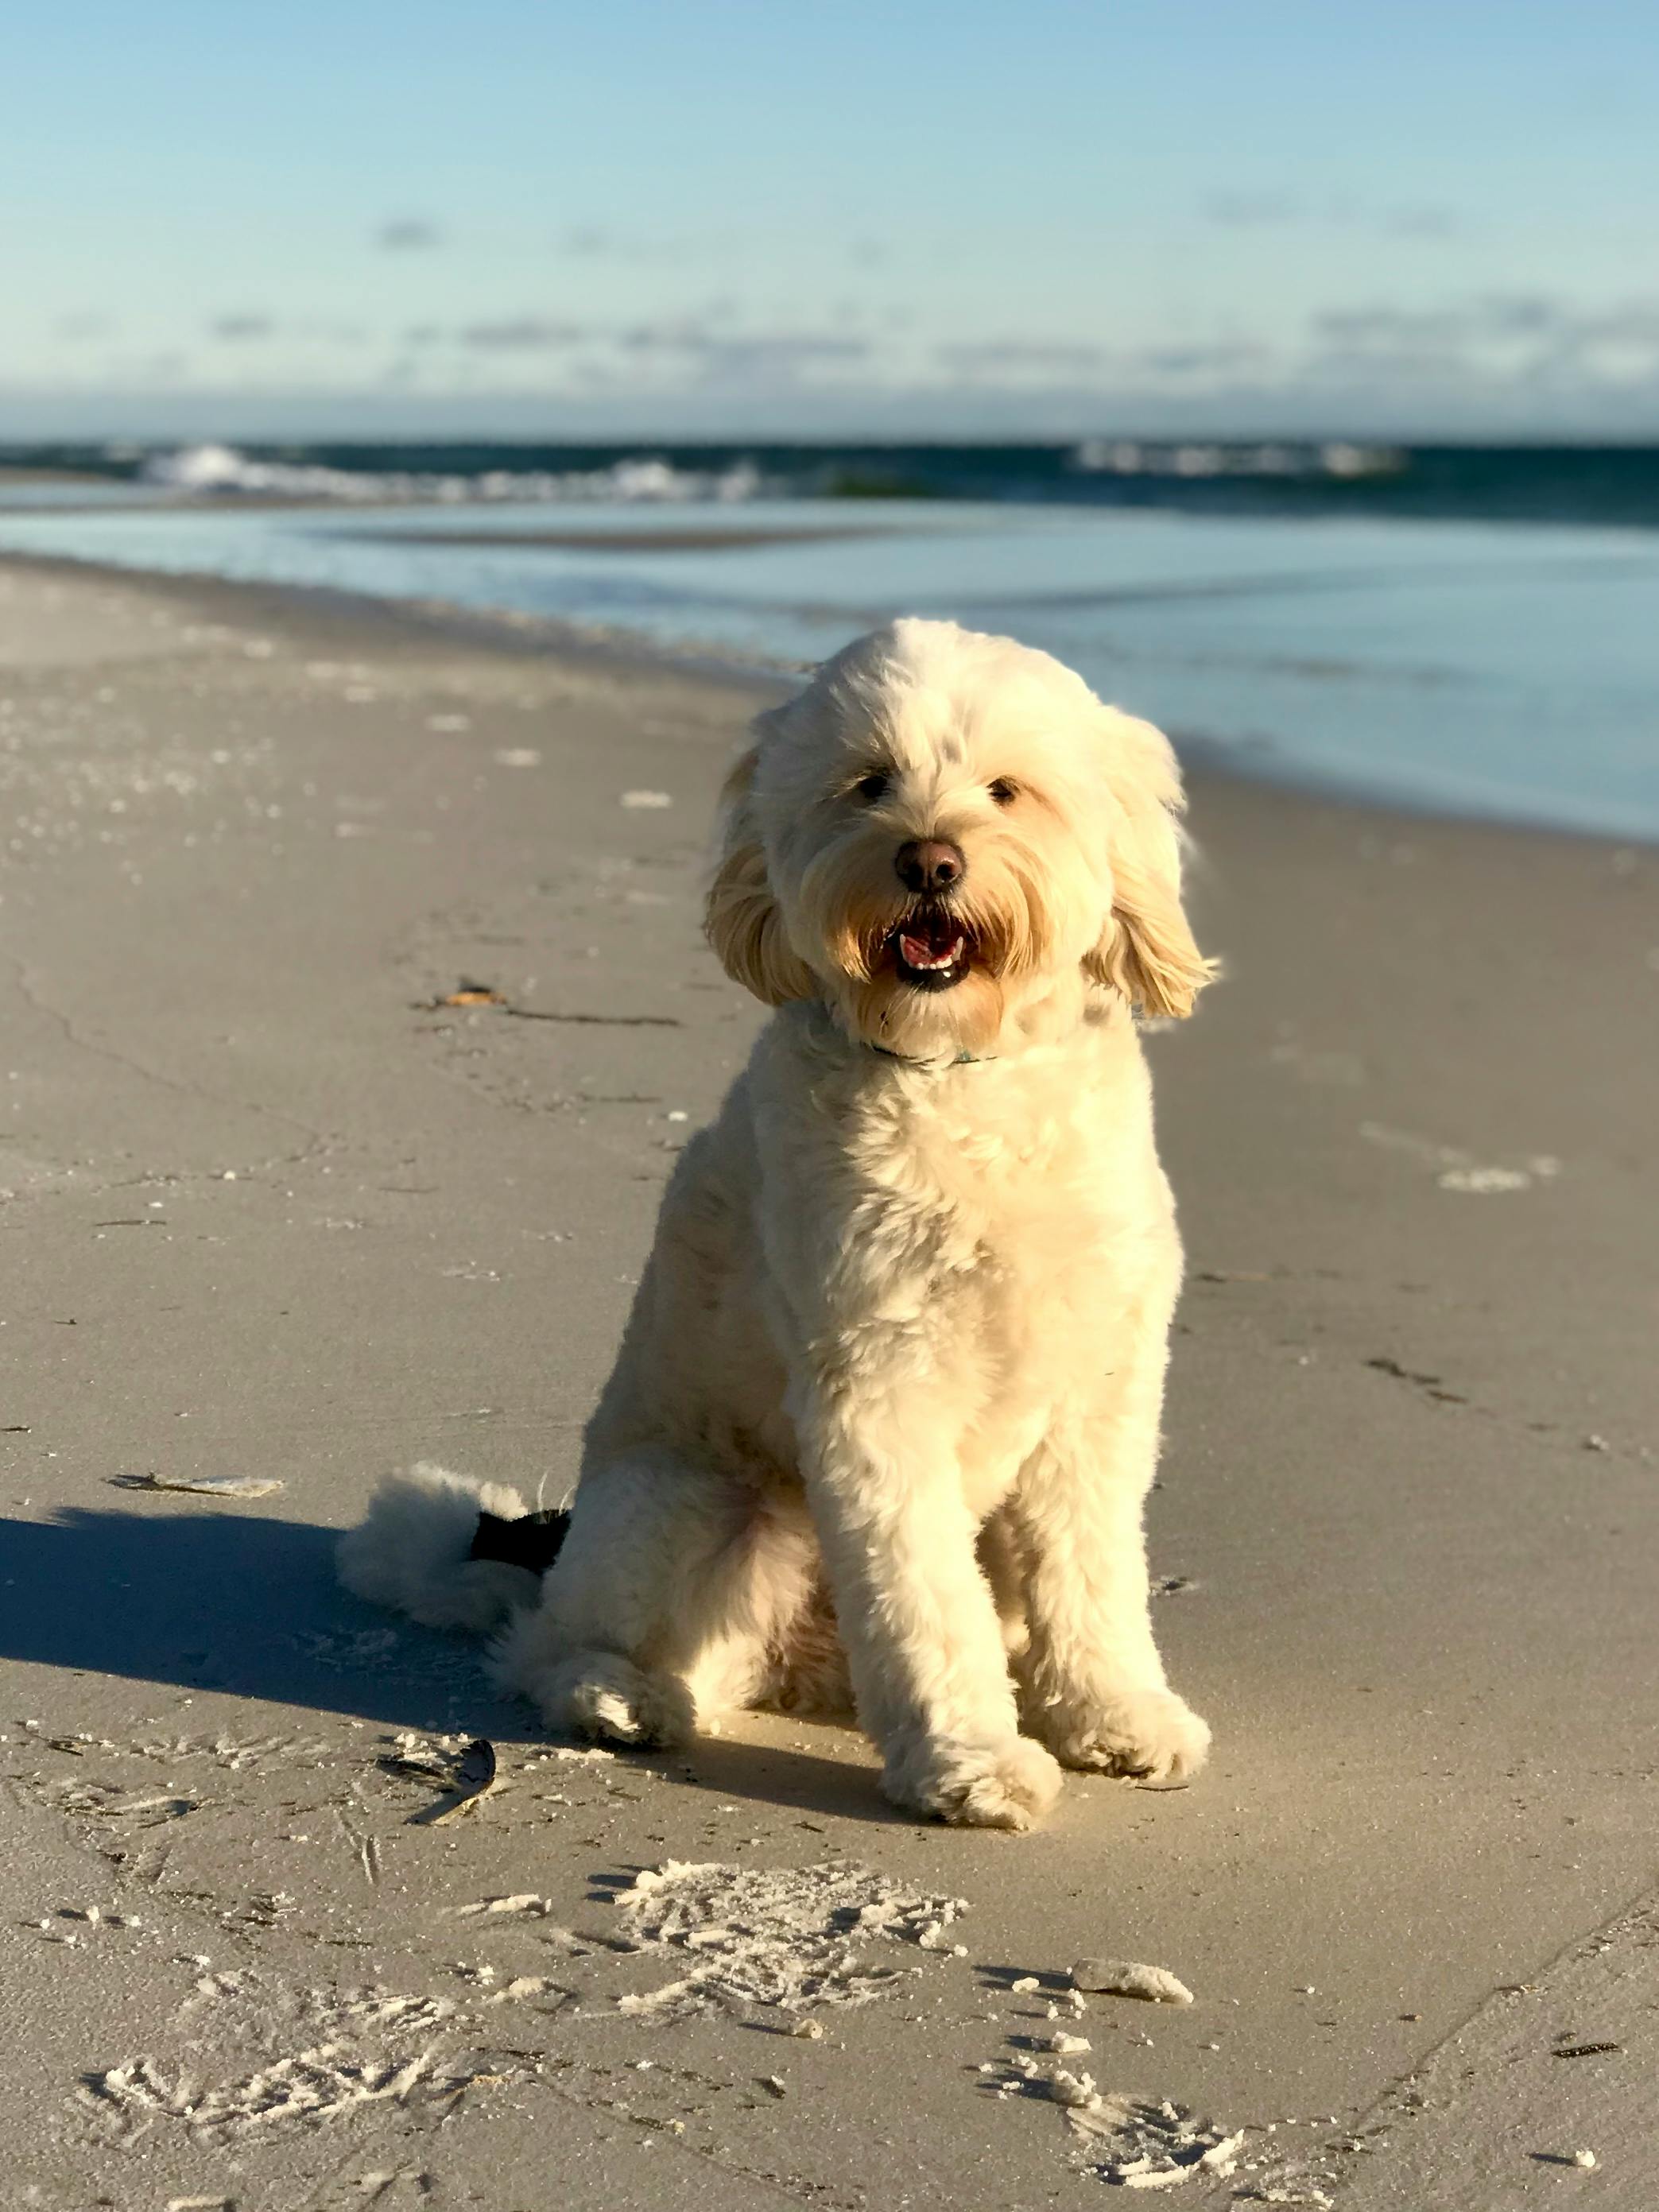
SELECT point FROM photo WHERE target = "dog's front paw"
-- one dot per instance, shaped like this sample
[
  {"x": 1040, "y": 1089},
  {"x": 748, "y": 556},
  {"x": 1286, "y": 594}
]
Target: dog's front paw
[
  {"x": 606, "y": 1698},
  {"x": 1148, "y": 1735},
  {"x": 1010, "y": 1782}
]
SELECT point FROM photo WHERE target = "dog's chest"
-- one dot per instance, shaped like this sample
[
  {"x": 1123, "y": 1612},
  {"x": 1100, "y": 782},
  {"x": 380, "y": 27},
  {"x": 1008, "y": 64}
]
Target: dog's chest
[{"x": 980, "y": 1201}]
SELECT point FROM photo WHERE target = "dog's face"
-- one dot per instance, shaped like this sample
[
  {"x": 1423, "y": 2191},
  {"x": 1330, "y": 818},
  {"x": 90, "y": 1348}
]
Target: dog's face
[{"x": 942, "y": 829}]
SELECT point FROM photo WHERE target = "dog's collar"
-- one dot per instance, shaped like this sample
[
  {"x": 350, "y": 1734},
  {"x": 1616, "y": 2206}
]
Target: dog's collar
[
  {"x": 962, "y": 1060},
  {"x": 820, "y": 1016}
]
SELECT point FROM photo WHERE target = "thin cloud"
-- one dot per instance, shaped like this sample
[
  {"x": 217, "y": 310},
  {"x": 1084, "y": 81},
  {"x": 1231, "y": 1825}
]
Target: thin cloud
[
  {"x": 409, "y": 233},
  {"x": 1421, "y": 223},
  {"x": 990, "y": 356},
  {"x": 1252, "y": 210},
  {"x": 1280, "y": 210},
  {"x": 1226, "y": 357},
  {"x": 238, "y": 330},
  {"x": 522, "y": 334}
]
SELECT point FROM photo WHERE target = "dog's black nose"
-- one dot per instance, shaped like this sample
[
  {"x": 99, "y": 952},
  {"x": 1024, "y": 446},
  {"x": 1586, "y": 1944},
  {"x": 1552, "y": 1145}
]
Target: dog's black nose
[{"x": 929, "y": 865}]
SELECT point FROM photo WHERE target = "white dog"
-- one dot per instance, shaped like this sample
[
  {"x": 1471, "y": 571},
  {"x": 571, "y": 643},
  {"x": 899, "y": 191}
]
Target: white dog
[{"x": 891, "y": 1385}]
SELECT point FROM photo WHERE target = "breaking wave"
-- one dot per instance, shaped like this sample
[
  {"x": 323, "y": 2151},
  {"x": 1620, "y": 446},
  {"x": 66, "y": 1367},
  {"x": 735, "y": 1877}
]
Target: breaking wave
[{"x": 214, "y": 468}]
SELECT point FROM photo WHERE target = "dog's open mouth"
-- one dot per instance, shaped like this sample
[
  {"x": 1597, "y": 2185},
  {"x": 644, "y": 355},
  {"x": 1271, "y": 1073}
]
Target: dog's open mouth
[{"x": 931, "y": 949}]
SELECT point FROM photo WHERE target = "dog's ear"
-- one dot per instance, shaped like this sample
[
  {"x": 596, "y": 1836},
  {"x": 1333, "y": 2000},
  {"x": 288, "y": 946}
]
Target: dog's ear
[
  {"x": 740, "y": 917},
  {"x": 1146, "y": 949}
]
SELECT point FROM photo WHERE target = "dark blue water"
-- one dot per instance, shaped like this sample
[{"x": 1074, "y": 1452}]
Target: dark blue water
[{"x": 1614, "y": 485}]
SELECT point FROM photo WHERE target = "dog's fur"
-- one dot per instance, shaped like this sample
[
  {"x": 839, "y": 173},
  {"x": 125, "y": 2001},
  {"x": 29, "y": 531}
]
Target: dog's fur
[{"x": 887, "y": 1408}]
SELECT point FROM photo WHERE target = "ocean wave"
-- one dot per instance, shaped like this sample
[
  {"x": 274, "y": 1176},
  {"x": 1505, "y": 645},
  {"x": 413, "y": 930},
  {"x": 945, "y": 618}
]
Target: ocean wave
[
  {"x": 1135, "y": 457},
  {"x": 645, "y": 479}
]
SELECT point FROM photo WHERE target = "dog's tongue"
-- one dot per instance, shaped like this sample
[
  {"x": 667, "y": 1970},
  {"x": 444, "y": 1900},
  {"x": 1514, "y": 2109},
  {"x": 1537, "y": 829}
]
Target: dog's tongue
[{"x": 932, "y": 941}]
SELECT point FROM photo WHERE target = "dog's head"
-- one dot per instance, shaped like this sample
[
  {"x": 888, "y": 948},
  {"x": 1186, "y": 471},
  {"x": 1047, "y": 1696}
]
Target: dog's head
[{"x": 942, "y": 829}]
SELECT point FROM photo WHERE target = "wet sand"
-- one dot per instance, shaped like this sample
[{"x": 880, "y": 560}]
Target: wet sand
[{"x": 270, "y": 1214}]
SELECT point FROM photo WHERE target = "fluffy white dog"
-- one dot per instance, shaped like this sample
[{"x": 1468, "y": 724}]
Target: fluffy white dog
[{"x": 887, "y": 1408}]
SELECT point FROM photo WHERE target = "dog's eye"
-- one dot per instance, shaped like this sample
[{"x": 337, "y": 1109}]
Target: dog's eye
[
  {"x": 1003, "y": 792},
  {"x": 873, "y": 786}
]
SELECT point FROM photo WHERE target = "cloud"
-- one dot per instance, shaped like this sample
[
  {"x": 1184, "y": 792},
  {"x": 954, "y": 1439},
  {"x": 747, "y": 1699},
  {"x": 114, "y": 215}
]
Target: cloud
[
  {"x": 1279, "y": 211},
  {"x": 520, "y": 334},
  {"x": 594, "y": 241},
  {"x": 989, "y": 356},
  {"x": 409, "y": 233},
  {"x": 1226, "y": 356},
  {"x": 1509, "y": 321},
  {"x": 1053, "y": 359},
  {"x": 1252, "y": 210},
  {"x": 236, "y": 330},
  {"x": 1507, "y": 352},
  {"x": 1421, "y": 221},
  {"x": 719, "y": 351}
]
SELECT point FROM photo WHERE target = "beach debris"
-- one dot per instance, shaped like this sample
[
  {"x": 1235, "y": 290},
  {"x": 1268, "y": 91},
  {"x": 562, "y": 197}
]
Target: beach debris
[
  {"x": 1026, "y": 1985},
  {"x": 521, "y": 1986},
  {"x": 775, "y": 2084},
  {"x": 1458, "y": 1170},
  {"x": 205, "y": 1485},
  {"x": 525, "y": 1902},
  {"x": 108, "y": 1801},
  {"x": 313, "y": 2085},
  {"x": 517, "y": 756},
  {"x": 792, "y": 1937},
  {"x": 1127, "y": 1977},
  {"x": 1132, "y": 2143},
  {"x": 1068, "y": 2047},
  {"x": 1153, "y": 2146},
  {"x": 1483, "y": 1182},
  {"x": 472, "y": 1779},
  {"x": 1584, "y": 2050},
  {"x": 1585, "y": 2158},
  {"x": 467, "y": 993},
  {"x": 642, "y": 800}
]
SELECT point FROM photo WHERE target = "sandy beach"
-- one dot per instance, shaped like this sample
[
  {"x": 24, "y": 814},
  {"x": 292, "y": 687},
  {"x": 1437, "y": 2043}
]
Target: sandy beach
[{"x": 276, "y": 1213}]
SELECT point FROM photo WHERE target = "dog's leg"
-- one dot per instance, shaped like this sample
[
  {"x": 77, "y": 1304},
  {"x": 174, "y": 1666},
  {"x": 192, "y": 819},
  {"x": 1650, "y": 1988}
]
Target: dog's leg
[
  {"x": 672, "y": 1592},
  {"x": 924, "y": 1644},
  {"x": 1092, "y": 1686}
]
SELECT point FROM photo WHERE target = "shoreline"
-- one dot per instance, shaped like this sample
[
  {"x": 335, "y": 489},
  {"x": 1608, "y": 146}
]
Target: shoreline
[
  {"x": 621, "y": 651},
  {"x": 275, "y": 1215}
]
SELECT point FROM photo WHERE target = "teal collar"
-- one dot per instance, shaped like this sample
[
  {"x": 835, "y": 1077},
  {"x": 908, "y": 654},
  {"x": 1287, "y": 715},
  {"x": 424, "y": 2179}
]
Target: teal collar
[
  {"x": 821, "y": 1012},
  {"x": 962, "y": 1060}
]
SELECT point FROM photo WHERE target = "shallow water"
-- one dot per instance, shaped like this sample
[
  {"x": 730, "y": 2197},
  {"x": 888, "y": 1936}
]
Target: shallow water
[{"x": 1507, "y": 670}]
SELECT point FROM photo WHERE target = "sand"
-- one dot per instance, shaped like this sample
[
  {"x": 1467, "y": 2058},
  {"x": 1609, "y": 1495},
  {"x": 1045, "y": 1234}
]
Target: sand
[{"x": 273, "y": 1213}]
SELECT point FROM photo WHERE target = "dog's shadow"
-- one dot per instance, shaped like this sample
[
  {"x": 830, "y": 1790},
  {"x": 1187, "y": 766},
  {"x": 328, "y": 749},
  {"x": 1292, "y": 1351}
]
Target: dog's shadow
[{"x": 246, "y": 1606}]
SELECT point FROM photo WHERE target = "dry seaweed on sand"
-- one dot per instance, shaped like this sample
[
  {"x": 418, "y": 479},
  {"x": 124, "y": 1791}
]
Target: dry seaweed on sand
[
  {"x": 206, "y": 1485},
  {"x": 470, "y": 995}
]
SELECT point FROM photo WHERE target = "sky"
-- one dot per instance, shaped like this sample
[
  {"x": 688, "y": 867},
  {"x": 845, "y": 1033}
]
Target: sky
[{"x": 740, "y": 218}]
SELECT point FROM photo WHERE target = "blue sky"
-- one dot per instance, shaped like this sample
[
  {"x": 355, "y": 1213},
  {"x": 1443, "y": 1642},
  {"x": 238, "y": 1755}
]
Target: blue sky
[{"x": 735, "y": 218}]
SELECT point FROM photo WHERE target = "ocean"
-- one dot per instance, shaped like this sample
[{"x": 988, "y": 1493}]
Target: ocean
[{"x": 1467, "y": 630}]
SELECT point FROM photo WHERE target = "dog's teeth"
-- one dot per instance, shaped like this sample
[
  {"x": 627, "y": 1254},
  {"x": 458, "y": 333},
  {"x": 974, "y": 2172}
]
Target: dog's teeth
[{"x": 917, "y": 952}]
